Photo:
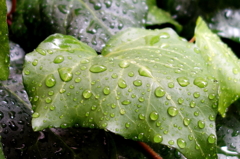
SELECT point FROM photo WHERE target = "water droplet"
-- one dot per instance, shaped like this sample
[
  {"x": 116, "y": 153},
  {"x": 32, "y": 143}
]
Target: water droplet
[
  {"x": 201, "y": 124},
  {"x": 153, "y": 116},
  {"x": 35, "y": 115},
  {"x": 154, "y": 40},
  {"x": 186, "y": 121},
  {"x": 196, "y": 113},
  {"x": 97, "y": 6},
  {"x": 140, "y": 136},
  {"x": 124, "y": 64},
  {"x": 211, "y": 96},
  {"x": 200, "y": 82},
  {"x": 50, "y": 81},
  {"x": 196, "y": 50},
  {"x": 113, "y": 106},
  {"x": 106, "y": 90},
  {"x": 190, "y": 137},
  {"x": 65, "y": 74},
  {"x": 41, "y": 51},
  {"x": 127, "y": 125},
  {"x": 126, "y": 102},
  {"x": 50, "y": 93},
  {"x": 196, "y": 94},
  {"x": 181, "y": 143},
  {"x": 122, "y": 111},
  {"x": 183, "y": 81},
  {"x": 122, "y": 83},
  {"x": 26, "y": 72},
  {"x": 172, "y": 111},
  {"x": 52, "y": 107},
  {"x": 35, "y": 62},
  {"x": 35, "y": 98},
  {"x": 164, "y": 35},
  {"x": 63, "y": 9},
  {"x": 159, "y": 92},
  {"x": 77, "y": 80},
  {"x": 58, "y": 59},
  {"x": 130, "y": 74},
  {"x": 48, "y": 100},
  {"x": 143, "y": 71},
  {"x": 211, "y": 139},
  {"x": 114, "y": 76},
  {"x": 211, "y": 117},
  {"x": 192, "y": 104},
  {"x": 141, "y": 99},
  {"x": 180, "y": 100},
  {"x": 171, "y": 142},
  {"x": 97, "y": 68},
  {"x": 235, "y": 71},
  {"x": 87, "y": 94},
  {"x": 141, "y": 116},
  {"x": 137, "y": 82},
  {"x": 158, "y": 138},
  {"x": 170, "y": 84}
]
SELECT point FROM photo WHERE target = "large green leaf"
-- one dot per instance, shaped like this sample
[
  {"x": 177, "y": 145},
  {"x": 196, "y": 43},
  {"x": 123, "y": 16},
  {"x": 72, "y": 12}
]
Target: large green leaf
[
  {"x": 4, "y": 46},
  {"x": 222, "y": 62},
  {"x": 151, "y": 86},
  {"x": 92, "y": 22}
]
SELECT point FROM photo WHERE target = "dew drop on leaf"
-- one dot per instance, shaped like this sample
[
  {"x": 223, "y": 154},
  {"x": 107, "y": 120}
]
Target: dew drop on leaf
[
  {"x": 50, "y": 81},
  {"x": 106, "y": 90},
  {"x": 35, "y": 62},
  {"x": 171, "y": 142},
  {"x": 143, "y": 71},
  {"x": 137, "y": 83},
  {"x": 154, "y": 40},
  {"x": 94, "y": 107},
  {"x": 87, "y": 94},
  {"x": 122, "y": 111},
  {"x": 181, "y": 143},
  {"x": 192, "y": 104},
  {"x": 186, "y": 121},
  {"x": 141, "y": 116},
  {"x": 114, "y": 76},
  {"x": 154, "y": 116},
  {"x": 172, "y": 111},
  {"x": 159, "y": 92},
  {"x": 164, "y": 35},
  {"x": 35, "y": 99},
  {"x": 140, "y": 136},
  {"x": 200, "y": 82},
  {"x": 35, "y": 115},
  {"x": 58, "y": 59},
  {"x": 97, "y": 68},
  {"x": 52, "y": 107},
  {"x": 65, "y": 74},
  {"x": 183, "y": 81},
  {"x": 124, "y": 64},
  {"x": 141, "y": 99},
  {"x": 196, "y": 94},
  {"x": 130, "y": 74},
  {"x": 48, "y": 100},
  {"x": 211, "y": 96},
  {"x": 77, "y": 80},
  {"x": 170, "y": 84},
  {"x": 235, "y": 71},
  {"x": 41, "y": 51},
  {"x": 126, "y": 102},
  {"x": 201, "y": 124},
  {"x": 122, "y": 83},
  {"x": 113, "y": 106},
  {"x": 26, "y": 72},
  {"x": 211, "y": 117},
  {"x": 158, "y": 138},
  {"x": 196, "y": 50},
  {"x": 127, "y": 125},
  {"x": 211, "y": 139},
  {"x": 180, "y": 100}
]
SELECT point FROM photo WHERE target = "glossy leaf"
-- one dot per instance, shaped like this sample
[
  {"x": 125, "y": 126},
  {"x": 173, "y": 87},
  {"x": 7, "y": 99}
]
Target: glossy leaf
[
  {"x": 4, "y": 47},
  {"x": 92, "y": 22},
  {"x": 150, "y": 86},
  {"x": 222, "y": 62}
]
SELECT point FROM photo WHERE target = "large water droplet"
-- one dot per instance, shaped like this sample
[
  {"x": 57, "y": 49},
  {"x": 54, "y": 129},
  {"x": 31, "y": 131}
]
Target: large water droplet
[
  {"x": 158, "y": 138},
  {"x": 211, "y": 96},
  {"x": 172, "y": 111},
  {"x": 48, "y": 100},
  {"x": 58, "y": 59},
  {"x": 200, "y": 82},
  {"x": 201, "y": 124},
  {"x": 186, "y": 121},
  {"x": 97, "y": 68},
  {"x": 143, "y": 71},
  {"x": 153, "y": 116},
  {"x": 50, "y": 81},
  {"x": 183, "y": 81},
  {"x": 211, "y": 139},
  {"x": 35, "y": 115},
  {"x": 122, "y": 83},
  {"x": 159, "y": 92},
  {"x": 126, "y": 102},
  {"x": 124, "y": 64},
  {"x": 35, "y": 62},
  {"x": 141, "y": 116},
  {"x": 65, "y": 74},
  {"x": 127, "y": 125},
  {"x": 196, "y": 94},
  {"x": 180, "y": 100},
  {"x": 106, "y": 90},
  {"x": 87, "y": 94},
  {"x": 137, "y": 82},
  {"x": 41, "y": 51},
  {"x": 181, "y": 143}
]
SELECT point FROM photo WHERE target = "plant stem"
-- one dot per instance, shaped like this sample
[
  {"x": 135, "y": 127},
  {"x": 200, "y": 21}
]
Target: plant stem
[
  {"x": 149, "y": 151},
  {"x": 192, "y": 40}
]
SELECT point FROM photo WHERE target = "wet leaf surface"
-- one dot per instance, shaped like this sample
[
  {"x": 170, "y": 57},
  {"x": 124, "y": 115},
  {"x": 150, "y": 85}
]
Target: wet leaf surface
[{"x": 129, "y": 90}]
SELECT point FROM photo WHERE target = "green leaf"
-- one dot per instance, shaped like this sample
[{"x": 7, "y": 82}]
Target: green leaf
[
  {"x": 157, "y": 16},
  {"x": 92, "y": 22},
  {"x": 4, "y": 47},
  {"x": 147, "y": 85},
  {"x": 222, "y": 62}
]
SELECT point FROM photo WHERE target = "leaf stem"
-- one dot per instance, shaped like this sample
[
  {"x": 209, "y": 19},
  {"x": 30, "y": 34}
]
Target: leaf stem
[
  {"x": 192, "y": 40},
  {"x": 149, "y": 151}
]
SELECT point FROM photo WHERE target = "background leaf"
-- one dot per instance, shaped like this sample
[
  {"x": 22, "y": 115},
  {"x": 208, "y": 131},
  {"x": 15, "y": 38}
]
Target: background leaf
[
  {"x": 4, "y": 47},
  {"x": 92, "y": 22},
  {"x": 130, "y": 90},
  {"x": 222, "y": 62}
]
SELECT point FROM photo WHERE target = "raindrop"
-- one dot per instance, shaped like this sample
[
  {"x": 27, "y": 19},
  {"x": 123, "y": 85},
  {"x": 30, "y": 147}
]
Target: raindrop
[
  {"x": 65, "y": 74},
  {"x": 186, "y": 121},
  {"x": 97, "y": 68},
  {"x": 158, "y": 138},
  {"x": 137, "y": 83},
  {"x": 196, "y": 94},
  {"x": 114, "y": 76},
  {"x": 124, "y": 64},
  {"x": 41, "y": 51},
  {"x": 200, "y": 82},
  {"x": 126, "y": 102},
  {"x": 58, "y": 59},
  {"x": 170, "y": 84},
  {"x": 122, "y": 83},
  {"x": 211, "y": 117},
  {"x": 211, "y": 96},
  {"x": 164, "y": 35},
  {"x": 35, "y": 98},
  {"x": 106, "y": 90},
  {"x": 196, "y": 50},
  {"x": 141, "y": 116},
  {"x": 181, "y": 143},
  {"x": 122, "y": 111},
  {"x": 87, "y": 94},
  {"x": 171, "y": 142},
  {"x": 52, "y": 107},
  {"x": 159, "y": 92},
  {"x": 35, "y": 62},
  {"x": 183, "y": 81},
  {"x": 94, "y": 107},
  {"x": 35, "y": 115},
  {"x": 130, "y": 74},
  {"x": 172, "y": 111},
  {"x": 201, "y": 124},
  {"x": 180, "y": 100},
  {"x": 192, "y": 104},
  {"x": 50, "y": 93},
  {"x": 50, "y": 81},
  {"x": 143, "y": 71},
  {"x": 140, "y": 136},
  {"x": 141, "y": 99},
  {"x": 211, "y": 139},
  {"x": 48, "y": 100},
  {"x": 26, "y": 72},
  {"x": 77, "y": 80},
  {"x": 154, "y": 116},
  {"x": 235, "y": 71},
  {"x": 113, "y": 106},
  {"x": 154, "y": 40},
  {"x": 97, "y": 6},
  {"x": 127, "y": 125}
]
